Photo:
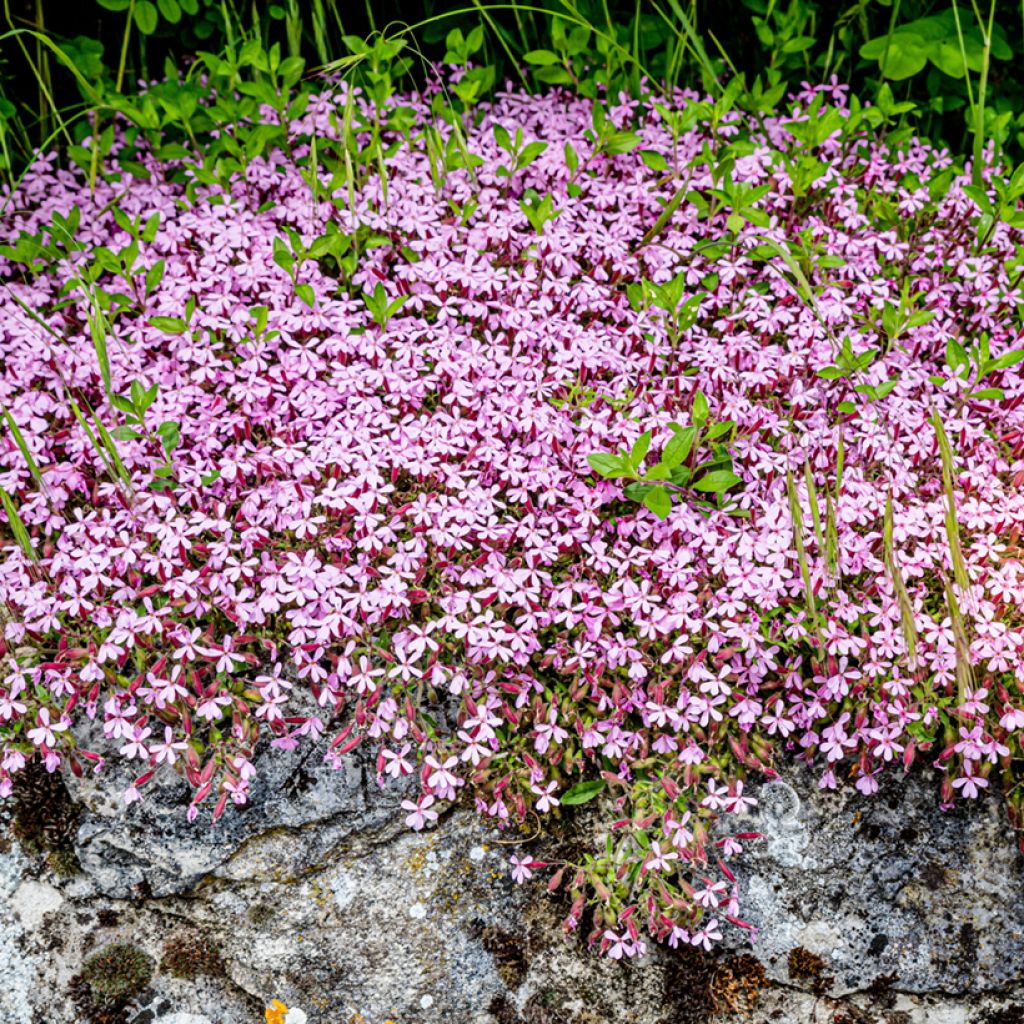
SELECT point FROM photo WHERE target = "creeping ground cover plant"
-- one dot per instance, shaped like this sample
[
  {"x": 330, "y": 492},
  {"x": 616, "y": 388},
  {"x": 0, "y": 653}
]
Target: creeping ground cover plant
[{"x": 556, "y": 452}]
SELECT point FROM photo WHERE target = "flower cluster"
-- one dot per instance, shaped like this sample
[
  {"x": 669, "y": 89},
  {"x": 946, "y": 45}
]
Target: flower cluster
[{"x": 254, "y": 497}]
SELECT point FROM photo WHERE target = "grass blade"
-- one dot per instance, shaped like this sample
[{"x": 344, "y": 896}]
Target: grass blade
[{"x": 18, "y": 526}]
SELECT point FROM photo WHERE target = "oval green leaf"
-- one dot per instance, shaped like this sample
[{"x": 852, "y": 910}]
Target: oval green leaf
[{"x": 582, "y": 792}]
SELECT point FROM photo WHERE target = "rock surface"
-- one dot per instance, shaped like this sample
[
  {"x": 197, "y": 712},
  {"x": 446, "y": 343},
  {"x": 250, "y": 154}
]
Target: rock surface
[{"x": 874, "y": 910}]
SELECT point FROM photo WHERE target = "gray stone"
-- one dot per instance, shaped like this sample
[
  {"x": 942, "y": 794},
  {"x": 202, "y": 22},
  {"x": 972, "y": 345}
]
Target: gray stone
[
  {"x": 887, "y": 885},
  {"x": 317, "y": 894}
]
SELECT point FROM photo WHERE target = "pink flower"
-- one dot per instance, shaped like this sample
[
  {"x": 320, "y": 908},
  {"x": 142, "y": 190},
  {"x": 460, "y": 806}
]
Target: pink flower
[
  {"x": 707, "y": 935},
  {"x": 44, "y": 734},
  {"x": 521, "y": 869},
  {"x": 420, "y": 812},
  {"x": 167, "y": 751},
  {"x": 547, "y": 799},
  {"x": 659, "y": 860},
  {"x": 970, "y": 785},
  {"x": 396, "y": 763}
]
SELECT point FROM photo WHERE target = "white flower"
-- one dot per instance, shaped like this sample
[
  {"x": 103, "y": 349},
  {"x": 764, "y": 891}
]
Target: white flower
[{"x": 295, "y": 1016}]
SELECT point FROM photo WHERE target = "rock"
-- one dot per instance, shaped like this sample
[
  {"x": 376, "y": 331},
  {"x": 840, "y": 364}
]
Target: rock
[
  {"x": 20, "y": 974},
  {"x": 877, "y": 910},
  {"x": 32, "y": 901},
  {"x": 887, "y": 885},
  {"x": 151, "y": 847}
]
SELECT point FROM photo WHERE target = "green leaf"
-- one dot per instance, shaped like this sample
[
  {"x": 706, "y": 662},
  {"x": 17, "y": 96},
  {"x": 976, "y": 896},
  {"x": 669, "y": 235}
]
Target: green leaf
[
  {"x": 945, "y": 54},
  {"x": 530, "y": 152},
  {"x": 659, "y": 501},
  {"x": 701, "y": 409},
  {"x": 146, "y": 17},
  {"x": 582, "y": 792},
  {"x": 797, "y": 44},
  {"x": 125, "y": 434},
  {"x": 21, "y": 535},
  {"x": 678, "y": 448},
  {"x": 621, "y": 142},
  {"x": 905, "y": 55},
  {"x": 553, "y": 75},
  {"x": 305, "y": 292},
  {"x": 167, "y": 324},
  {"x": 1006, "y": 360},
  {"x": 170, "y": 435},
  {"x": 717, "y": 482},
  {"x": 170, "y": 10},
  {"x": 654, "y": 160},
  {"x": 542, "y": 57},
  {"x": 640, "y": 449},
  {"x": 993, "y": 394},
  {"x": 956, "y": 355},
  {"x": 154, "y": 276},
  {"x": 122, "y": 404},
  {"x": 607, "y": 465}
]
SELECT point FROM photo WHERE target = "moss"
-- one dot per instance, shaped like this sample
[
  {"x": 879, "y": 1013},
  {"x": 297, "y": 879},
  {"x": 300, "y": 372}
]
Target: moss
[
  {"x": 64, "y": 863},
  {"x": 536, "y": 1012},
  {"x": 190, "y": 954},
  {"x": 44, "y": 817},
  {"x": 118, "y": 971},
  {"x": 805, "y": 965},
  {"x": 107, "y": 918},
  {"x": 93, "y": 1009},
  {"x": 688, "y": 985},
  {"x": 736, "y": 985},
  {"x": 508, "y": 953},
  {"x": 1007, "y": 1015},
  {"x": 260, "y": 914}
]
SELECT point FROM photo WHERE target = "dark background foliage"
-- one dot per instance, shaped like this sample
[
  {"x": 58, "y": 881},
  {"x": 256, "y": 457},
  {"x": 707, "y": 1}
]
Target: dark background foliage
[{"x": 926, "y": 51}]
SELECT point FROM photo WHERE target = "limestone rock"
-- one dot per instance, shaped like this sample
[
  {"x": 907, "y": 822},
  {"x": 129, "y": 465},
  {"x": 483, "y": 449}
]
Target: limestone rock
[{"x": 879, "y": 910}]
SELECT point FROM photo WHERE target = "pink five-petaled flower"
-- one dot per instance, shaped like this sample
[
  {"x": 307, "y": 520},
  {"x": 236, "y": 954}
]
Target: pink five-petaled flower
[
  {"x": 736, "y": 802},
  {"x": 395, "y": 762},
  {"x": 546, "y": 798},
  {"x": 969, "y": 785},
  {"x": 622, "y": 945},
  {"x": 549, "y": 732},
  {"x": 136, "y": 745},
  {"x": 660, "y": 860},
  {"x": 1012, "y": 720},
  {"x": 365, "y": 678},
  {"x": 441, "y": 778},
  {"x": 707, "y": 935},
  {"x": 521, "y": 868},
  {"x": 710, "y": 895},
  {"x": 420, "y": 812},
  {"x": 168, "y": 750},
  {"x": 44, "y": 734}
]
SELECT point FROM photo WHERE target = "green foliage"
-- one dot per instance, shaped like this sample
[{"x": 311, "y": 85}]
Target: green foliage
[
  {"x": 695, "y": 461},
  {"x": 947, "y": 65},
  {"x": 582, "y": 792}
]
